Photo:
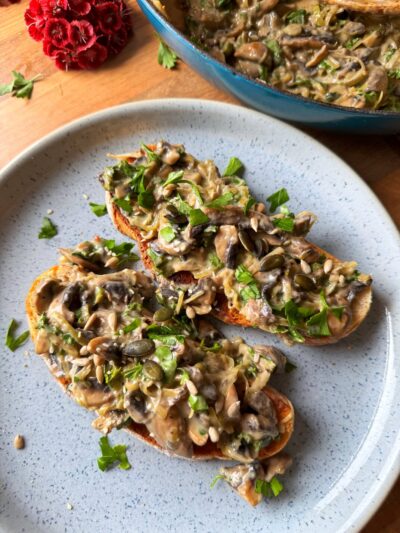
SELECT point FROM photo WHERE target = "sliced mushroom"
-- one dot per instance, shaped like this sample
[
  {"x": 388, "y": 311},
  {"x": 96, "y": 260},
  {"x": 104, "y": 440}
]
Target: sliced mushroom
[
  {"x": 262, "y": 405},
  {"x": 257, "y": 52},
  {"x": 242, "y": 479},
  {"x": 118, "y": 291},
  {"x": 377, "y": 80},
  {"x": 171, "y": 433},
  {"x": 302, "y": 42},
  {"x": 45, "y": 293},
  {"x": 232, "y": 403},
  {"x": 208, "y": 333},
  {"x": 270, "y": 352},
  {"x": 137, "y": 407},
  {"x": 90, "y": 395},
  {"x": 78, "y": 260},
  {"x": 226, "y": 243},
  {"x": 181, "y": 245},
  {"x": 277, "y": 465}
]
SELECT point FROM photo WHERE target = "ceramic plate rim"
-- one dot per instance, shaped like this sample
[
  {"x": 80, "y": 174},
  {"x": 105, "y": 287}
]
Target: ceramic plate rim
[{"x": 371, "y": 501}]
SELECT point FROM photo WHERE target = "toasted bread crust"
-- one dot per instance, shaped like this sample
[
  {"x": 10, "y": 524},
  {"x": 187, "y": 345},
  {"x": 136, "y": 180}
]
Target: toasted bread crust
[
  {"x": 283, "y": 406},
  {"x": 285, "y": 413},
  {"x": 360, "y": 305}
]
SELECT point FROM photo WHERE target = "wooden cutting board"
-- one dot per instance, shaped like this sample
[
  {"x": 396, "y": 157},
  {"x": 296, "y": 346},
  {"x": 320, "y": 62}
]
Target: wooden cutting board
[{"x": 136, "y": 75}]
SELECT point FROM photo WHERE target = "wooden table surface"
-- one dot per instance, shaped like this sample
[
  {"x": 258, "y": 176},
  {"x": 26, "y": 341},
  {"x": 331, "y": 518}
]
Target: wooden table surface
[{"x": 136, "y": 75}]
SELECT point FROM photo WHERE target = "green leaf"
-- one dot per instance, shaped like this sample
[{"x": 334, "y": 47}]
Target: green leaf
[
  {"x": 197, "y": 217},
  {"x": 168, "y": 340},
  {"x": 184, "y": 376},
  {"x": 249, "y": 204},
  {"x": 284, "y": 223},
  {"x": 98, "y": 209},
  {"x": 276, "y": 486},
  {"x": 337, "y": 311},
  {"x": 113, "y": 375},
  {"x": 278, "y": 198},
  {"x": 167, "y": 361},
  {"x": 124, "y": 203},
  {"x": 167, "y": 234},
  {"x": 317, "y": 325},
  {"x": 221, "y": 201},
  {"x": 276, "y": 50},
  {"x": 123, "y": 250},
  {"x": 111, "y": 455},
  {"x": 297, "y": 16},
  {"x": 19, "y": 87},
  {"x": 243, "y": 275},
  {"x": 151, "y": 155},
  {"x": 132, "y": 326},
  {"x": 250, "y": 292},
  {"x": 215, "y": 260},
  {"x": 11, "y": 342},
  {"x": 197, "y": 403},
  {"x": 133, "y": 372},
  {"x": 156, "y": 258},
  {"x": 215, "y": 480},
  {"x": 146, "y": 199},
  {"x": 173, "y": 177},
  {"x": 352, "y": 43},
  {"x": 166, "y": 57},
  {"x": 234, "y": 166},
  {"x": 394, "y": 74},
  {"x": 48, "y": 229}
]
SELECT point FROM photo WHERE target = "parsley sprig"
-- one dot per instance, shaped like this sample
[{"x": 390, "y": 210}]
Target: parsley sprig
[
  {"x": 19, "y": 87},
  {"x": 110, "y": 455},
  {"x": 48, "y": 229},
  {"x": 166, "y": 57},
  {"x": 13, "y": 342}
]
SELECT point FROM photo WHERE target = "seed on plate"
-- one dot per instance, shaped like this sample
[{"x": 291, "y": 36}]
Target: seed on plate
[
  {"x": 304, "y": 282},
  {"x": 69, "y": 506},
  {"x": 269, "y": 262},
  {"x": 233, "y": 410},
  {"x": 191, "y": 387},
  {"x": 99, "y": 374},
  {"x": 213, "y": 433},
  {"x": 98, "y": 359},
  {"x": 260, "y": 207},
  {"x": 152, "y": 370},
  {"x": 328, "y": 265},
  {"x": 83, "y": 350},
  {"x": 190, "y": 312},
  {"x": 245, "y": 240},
  {"x": 112, "y": 262},
  {"x": 112, "y": 320},
  {"x": 305, "y": 267},
  {"x": 254, "y": 223},
  {"x": 19, "y": 442},
  {"x": 139, "y": 348},
  {"x": 163, "y": 314}
]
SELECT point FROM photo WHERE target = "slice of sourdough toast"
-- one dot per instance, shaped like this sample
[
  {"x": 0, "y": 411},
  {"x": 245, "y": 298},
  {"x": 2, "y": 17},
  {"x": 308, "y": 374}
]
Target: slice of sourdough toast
[
  {"x": 262, "y": 275},
  {"x": 165, "y": 382}
]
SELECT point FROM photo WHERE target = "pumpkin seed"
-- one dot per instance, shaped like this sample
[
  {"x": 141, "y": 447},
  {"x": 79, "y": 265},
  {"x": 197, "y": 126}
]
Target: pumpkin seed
[
  {"x": 152, "y": 370},
  {"x": 269, "y": 262},
  {"x": 245, "y": 240},
  {"x": 139, "y": 348},
  {"x": 163, "y": 314},
  {"x": 304, "y": 282}
]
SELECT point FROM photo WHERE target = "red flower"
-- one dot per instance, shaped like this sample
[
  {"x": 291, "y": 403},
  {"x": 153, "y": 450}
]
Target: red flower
[
  {"x": 109, "y": 16},
  {"x": 81, "y": 35},
  {"x": 65, "y": 60},
  {"x": 35, "y": 20},
  {"x": 79, "y": 7},
  {"x": 57, "y": 30},
  {"x": 92, "y": 57}
]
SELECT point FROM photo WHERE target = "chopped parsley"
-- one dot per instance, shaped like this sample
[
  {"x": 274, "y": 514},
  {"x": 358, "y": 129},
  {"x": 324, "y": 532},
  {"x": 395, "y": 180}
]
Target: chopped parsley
[
  {"x": 215, "y": 480},
  {"x": 394, "y": 74},
  {"x": 243, "y": 275},
  {"x": 13, "y": 342},
  {"x": 110, "y": 455},
  {"x": 297, "y": 16},
  {"x": 98, "y": 209},
  {"x": 48, "y": 229},
  {"x": 112, "y": 376},
  {"x": 221, "y": 201},
  {"x": 278, "y": 198},
  {"x": 251, "y": 292},
  {"x": 166, "y": 57},
  {"x": 197, "y": 403},
  {"x": 276, "y": 50},
  {"x": 268, "y": 489},
  {"x": 122, "y": 251},
  {"x": 167, "y": 233},
  {"x": 352, "y": 43},
  {"x": 132, "y": 326},
  {"x": 146, "y": 199},
  {"x": 249, "y": 204},
  {"x": 124, "y": 203},
  {"x": 234, "y": 167},
  {"x": 156, "y": 258},
  {"x": 215, "y": 260},
  {"x": 151, "y": 155},
  {"x": 197, "y": 217},
  {"x": 184, "y": 376},
  {"x": 133, "y": 372},
  {"x": 173, "y": 177},
  {"x": 285, "y": 223},
  {"x": 167, "y": 361}
]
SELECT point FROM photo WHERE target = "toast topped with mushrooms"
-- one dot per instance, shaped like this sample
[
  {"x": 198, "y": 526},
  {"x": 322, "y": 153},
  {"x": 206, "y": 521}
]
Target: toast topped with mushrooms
[
  {"x": 175, "y": 383},
  {"x": 215, "y": 250}
]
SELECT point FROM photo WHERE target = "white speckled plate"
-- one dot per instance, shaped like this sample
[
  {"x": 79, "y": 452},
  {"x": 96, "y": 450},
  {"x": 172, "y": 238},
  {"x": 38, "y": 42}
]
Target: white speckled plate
[{"x": 347, "y": 397}]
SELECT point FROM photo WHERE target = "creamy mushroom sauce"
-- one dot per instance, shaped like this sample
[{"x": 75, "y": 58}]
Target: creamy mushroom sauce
[
  {"x": 314, "y": 50},
  {"x": 275, "y": 278},
  {"x": 181, "y": 379}
]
